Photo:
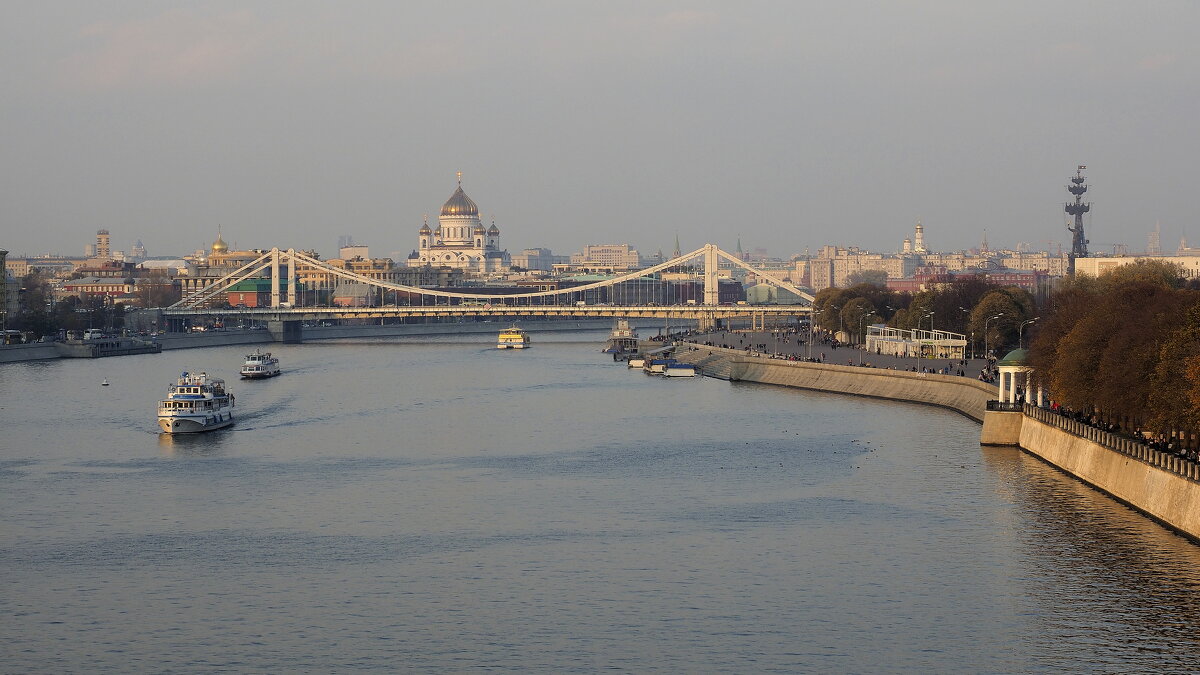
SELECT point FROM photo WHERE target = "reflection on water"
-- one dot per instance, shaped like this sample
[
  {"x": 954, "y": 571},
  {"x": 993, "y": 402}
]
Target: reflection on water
[
  {"x": 1138, "y": 578},
  {"x": 438, "y": 505},
  {"x": 192, "y": 445}
]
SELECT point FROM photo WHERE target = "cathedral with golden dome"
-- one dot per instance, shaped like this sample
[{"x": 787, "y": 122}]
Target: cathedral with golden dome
[{"x": 460, "y": 240}]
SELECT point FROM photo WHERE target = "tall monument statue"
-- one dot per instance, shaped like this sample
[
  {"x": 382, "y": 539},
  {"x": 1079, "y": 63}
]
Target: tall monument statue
[{"x": 1079, "y": 242}]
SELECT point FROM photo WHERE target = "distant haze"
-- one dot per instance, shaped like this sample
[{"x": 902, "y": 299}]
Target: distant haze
[{"x": 793, "y": 125}]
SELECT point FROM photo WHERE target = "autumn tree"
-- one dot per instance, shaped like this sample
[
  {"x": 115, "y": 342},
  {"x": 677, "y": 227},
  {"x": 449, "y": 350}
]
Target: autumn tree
[
  {"x": 1119, "y": 344},
  {"x": 1174, "y": 401},
  {"x": 1138, "y": 316}
]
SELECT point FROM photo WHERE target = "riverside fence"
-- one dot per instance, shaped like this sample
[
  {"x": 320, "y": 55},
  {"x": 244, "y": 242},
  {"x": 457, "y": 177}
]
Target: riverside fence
[{"x": 1130, "y": 447}]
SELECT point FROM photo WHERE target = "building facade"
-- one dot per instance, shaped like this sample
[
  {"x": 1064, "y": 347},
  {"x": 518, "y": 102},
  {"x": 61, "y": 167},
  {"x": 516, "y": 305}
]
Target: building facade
[
  {"x": 834, "y": 265},
  {"x": 607, "y": 256},
  {"x": 1189, "y": 265},
  {"x": 540, "y": 259}
]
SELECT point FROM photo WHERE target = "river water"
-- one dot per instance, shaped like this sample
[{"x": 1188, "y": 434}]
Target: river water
[{"x": 436, "y": 505}]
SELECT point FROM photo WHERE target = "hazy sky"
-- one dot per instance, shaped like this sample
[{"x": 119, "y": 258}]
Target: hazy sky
[{"x": 792, "y": 124}]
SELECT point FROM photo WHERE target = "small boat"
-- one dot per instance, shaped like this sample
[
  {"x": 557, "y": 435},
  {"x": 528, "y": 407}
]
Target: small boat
[
  {"x": 259, "y": 365},
  {"x": 104, "y": 383},
  {"x": 512, "y": 338},
  {"x": 680, "y": 370},
  {"x": 637, "y": 362},
  {"x": 195, "y": 403},
  {"x": 657, "y": 366}
]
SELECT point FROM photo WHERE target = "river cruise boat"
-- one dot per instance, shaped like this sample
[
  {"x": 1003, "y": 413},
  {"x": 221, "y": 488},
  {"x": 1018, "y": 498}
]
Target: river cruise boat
[
  {"x": 512, "y": 338},
  {"x": 623, "y": 339},
  {"x": 259, "y": 365},
  {"x": 195, "y": 403}
]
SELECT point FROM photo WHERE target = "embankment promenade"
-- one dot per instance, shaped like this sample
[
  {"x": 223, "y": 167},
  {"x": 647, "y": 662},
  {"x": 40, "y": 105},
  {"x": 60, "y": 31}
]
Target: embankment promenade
[
  {"x": 962, "y": 394},
  {"x": 1162, "y": 486}
]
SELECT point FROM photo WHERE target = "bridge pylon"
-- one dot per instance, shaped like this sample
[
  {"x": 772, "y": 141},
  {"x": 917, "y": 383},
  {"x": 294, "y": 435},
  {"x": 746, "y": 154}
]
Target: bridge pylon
[
  {"x": 274, "y": 277},
  {"x": 712, "y": 295}
]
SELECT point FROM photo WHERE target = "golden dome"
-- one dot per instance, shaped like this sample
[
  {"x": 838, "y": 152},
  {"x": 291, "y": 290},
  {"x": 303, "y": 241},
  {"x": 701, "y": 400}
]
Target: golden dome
[
  {"x": 219, "y": 246},
  {"x": 460, "y": 204}
]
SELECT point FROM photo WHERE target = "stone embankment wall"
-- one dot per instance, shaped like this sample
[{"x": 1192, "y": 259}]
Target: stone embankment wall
[
  {"x": 1160, "y": 485},
  {"x": 962, "y": 394},
  {"x": 31, "y": 352}
]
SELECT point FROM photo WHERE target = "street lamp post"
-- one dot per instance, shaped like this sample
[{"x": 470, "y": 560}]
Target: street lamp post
[
  {"x": 812, "y": 322},
  {"x": 985, "y": 332},
  {"x": 932, "y": 337},
  {"x": 1021, "y": 331},
  {"x": 920, "y": 347},
  {"x": 862, "y": 347}
]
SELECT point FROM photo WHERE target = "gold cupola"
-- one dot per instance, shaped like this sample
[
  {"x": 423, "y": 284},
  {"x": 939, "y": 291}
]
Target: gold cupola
[
  {"x": 219, "y": 246},
  {"x": 459, "y": 203}
]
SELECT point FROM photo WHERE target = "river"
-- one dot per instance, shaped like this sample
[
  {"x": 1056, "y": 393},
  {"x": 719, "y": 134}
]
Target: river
[{"x": 436, "y": 505}]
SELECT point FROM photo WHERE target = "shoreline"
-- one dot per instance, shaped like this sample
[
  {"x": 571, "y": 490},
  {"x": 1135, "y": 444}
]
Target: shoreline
[{"x": 41, "y": 351}]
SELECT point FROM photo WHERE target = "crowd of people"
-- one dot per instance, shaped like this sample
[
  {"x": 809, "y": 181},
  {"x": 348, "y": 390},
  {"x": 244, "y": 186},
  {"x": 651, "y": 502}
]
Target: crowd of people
[{"x": 1158, "y": 441}]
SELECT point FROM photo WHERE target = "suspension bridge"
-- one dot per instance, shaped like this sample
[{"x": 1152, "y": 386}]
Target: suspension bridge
[{"x": 685, "y": 288}]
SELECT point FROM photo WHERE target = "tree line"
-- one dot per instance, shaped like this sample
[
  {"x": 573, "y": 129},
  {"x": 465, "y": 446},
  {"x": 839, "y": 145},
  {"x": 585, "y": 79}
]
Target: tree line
[
  {"x": 1124, "y": 346},
  {"x": 990, "y": 316}
]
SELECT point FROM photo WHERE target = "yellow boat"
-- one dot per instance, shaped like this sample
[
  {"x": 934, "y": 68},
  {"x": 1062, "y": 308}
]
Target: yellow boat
[{"x": 512, "y": 338}]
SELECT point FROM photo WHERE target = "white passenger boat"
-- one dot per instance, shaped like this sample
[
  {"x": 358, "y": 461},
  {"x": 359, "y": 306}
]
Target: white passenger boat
[
  {"x": 195, "y": 403},
  {"x": 680, "y": 370},
  {"x": 512, "y": 338},
  {"x": 260, "y": 364},
  {"x": 636, "y": 362}
]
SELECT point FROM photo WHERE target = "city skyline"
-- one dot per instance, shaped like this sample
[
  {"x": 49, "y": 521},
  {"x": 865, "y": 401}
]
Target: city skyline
[{"x": 792, "y": 126}]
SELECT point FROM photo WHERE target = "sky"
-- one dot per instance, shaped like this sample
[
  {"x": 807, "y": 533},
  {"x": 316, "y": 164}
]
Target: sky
[{"x": 789, "y": 125}]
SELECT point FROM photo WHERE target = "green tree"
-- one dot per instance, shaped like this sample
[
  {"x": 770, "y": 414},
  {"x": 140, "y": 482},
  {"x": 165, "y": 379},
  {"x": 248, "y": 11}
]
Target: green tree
[
  {"x": 828, "y": 303},
  {"x": 855, "y": 315},
  {"x": 995, "y": 334}
]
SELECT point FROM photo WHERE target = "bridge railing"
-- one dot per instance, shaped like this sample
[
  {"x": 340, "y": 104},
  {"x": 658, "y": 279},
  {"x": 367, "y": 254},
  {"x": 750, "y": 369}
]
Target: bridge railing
[{"x": 1004, "y": 406}]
